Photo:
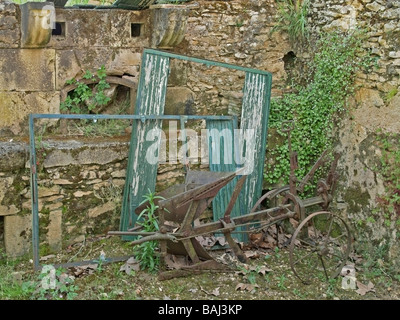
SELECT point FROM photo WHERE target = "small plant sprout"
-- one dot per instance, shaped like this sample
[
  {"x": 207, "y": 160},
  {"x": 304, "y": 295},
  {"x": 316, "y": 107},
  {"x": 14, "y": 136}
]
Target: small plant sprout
[
  {"x": 146, "y": 251},
  {"x": 87, "y": 96}
]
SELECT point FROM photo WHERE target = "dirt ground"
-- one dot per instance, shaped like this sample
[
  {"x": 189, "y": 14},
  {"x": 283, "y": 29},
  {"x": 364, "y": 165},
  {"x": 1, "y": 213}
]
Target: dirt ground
[{"x": 267, "y": 276}]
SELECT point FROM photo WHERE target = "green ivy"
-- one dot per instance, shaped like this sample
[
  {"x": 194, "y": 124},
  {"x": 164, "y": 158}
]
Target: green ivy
[
  {"x": 389, "y": 171},
  {"x": 314, "y": 106},
  {"x": 85, "y": 99}
]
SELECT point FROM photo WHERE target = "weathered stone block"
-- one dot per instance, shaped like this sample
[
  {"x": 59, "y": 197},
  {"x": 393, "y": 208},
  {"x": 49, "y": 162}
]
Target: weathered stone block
[
  {"x": 48, "y": 191},
  {"x": 54, "y": 230},
  {"x": 8, "y": 210},
  {"x": 373, "y": 114},
  {"x": 179, "y": 100},
  {"x": 97, "y": 211},
  {"x": 178, "y": 73},
  {"x": 13, "y": 155},
  {"x": 16, "y": 106},
  {"x": 375, "y": 7},
  {"x": 124, "y": 61},
  {"x": 169, "y": 25},
  {"x": 121, "y": 31},
  {"x": 8, "y": 7},
  {"x": 80, "y": 194},
  {"x": 117, "y": 62},
  {"x": 37, "y": 20},
  {"x": 83, "y": 28},
  {"x": 17, "y": 235},
  {"x": 77, "y": 153},
  {"x": 27, "y": 70},
  {"x": 67, "y": 67},
  {"x": 119, "y": 174},
  {"x": 9, "y": 38},
  {"x": 5, "y": 184},
  {"x": 9, "y": 27}
]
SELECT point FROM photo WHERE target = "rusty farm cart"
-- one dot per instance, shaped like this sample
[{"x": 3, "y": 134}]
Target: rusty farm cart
[{"x": 320, "y": 243}]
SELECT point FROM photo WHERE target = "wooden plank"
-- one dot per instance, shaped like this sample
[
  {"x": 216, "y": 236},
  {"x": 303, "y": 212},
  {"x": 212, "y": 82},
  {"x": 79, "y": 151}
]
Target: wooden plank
[
  {"x": 255, "y": 113},
  {"x": 142, "y": 164}
]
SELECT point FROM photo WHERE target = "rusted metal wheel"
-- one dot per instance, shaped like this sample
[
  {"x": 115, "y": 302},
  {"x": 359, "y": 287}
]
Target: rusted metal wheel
[
  {"x": 275, "y": 195},
  {"x": 325, "y": 244}
]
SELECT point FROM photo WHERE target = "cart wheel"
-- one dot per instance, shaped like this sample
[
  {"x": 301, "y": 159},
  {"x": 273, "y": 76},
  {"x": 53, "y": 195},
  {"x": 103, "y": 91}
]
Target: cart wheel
[
  {"x": 326, "y": 244},
  {"x": 275, "y": 196}
]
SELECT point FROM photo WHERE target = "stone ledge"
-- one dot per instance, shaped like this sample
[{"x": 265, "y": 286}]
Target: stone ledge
[{"x": 83, "y": 153}]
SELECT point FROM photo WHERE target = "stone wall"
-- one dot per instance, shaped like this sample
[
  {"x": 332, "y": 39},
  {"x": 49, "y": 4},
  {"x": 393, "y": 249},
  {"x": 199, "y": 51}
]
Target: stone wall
[
  {"x": 32, "y": 77},
  {"x": 80, "y": 188},
  {"x": 374, "y": 112}
]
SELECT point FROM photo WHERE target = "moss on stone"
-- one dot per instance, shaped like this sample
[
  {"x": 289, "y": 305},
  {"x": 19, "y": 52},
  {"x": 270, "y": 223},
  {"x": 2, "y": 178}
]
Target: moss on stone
[
  {"x": 13, "y": 194},
  {"x": 356, "y": 198}
]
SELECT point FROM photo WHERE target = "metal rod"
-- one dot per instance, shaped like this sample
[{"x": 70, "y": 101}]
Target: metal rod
[
  {"x": 87, "y": 262},
  {"x": 34, "y": 196},
  {"x": 157, "y": 237},
  {"x": 239, "y": 221},
  {"x": 128, "y": 117},
  {"x": 130, "y": 233},
  {"x": 315, "y": 200}
]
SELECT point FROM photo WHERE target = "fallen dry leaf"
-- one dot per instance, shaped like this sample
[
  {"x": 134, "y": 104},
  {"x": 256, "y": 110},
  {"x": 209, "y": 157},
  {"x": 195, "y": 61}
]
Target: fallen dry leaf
[
  {"x": 363, "y": 289},
  {"x": 294, "y": 223},
  {"x": 266, "y": 245},
  {"x": 172, "y": 226},
  {"x": 221, "y": 241},
  {"x": 252, "y": 254},
  {"x": 215, "y": 292},
  {"x": 82, "y": 270},
  {"x": 256, "y": 238},
  {"x": 272, "y": 229},
  {"x": 246, "y": 287},
  {"x": 131, "y": 265},
  {"x": 264, "y": 270},
  {"x": 176, "y": 262},
  {"x": 138, "y": 290},
  {"x": 206, "y": 242}
]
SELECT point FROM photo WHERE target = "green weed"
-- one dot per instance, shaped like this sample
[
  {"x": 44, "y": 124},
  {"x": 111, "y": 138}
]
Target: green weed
[
  {"x": 293, "y": 18},
  {"x": 146, "y": 251}
]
